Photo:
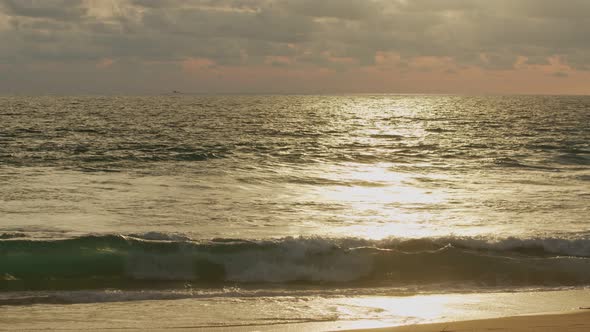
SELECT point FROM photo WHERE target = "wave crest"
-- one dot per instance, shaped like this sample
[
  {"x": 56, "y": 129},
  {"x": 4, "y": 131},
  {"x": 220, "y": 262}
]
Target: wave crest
[{"x": 154, "y": 257}]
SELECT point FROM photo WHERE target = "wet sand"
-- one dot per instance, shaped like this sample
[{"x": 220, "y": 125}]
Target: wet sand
[{"x": 451, "y": 312}]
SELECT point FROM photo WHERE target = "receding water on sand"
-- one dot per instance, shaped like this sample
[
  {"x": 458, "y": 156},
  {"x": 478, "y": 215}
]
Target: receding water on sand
[{"x": 255, "y": 311}]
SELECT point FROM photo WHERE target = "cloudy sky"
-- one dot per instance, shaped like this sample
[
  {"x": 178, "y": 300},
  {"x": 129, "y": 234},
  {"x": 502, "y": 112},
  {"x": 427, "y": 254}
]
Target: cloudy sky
[{"x": 294, "y": 46}]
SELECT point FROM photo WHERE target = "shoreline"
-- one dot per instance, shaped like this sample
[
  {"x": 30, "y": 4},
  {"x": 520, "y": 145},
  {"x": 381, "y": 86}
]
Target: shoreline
[
  {"x": 577, "y": 320},
  {"x": 522, "y": 311}
]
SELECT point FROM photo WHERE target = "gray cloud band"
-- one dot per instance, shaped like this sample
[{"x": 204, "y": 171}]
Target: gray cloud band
[{"x": 330, "y": 34}]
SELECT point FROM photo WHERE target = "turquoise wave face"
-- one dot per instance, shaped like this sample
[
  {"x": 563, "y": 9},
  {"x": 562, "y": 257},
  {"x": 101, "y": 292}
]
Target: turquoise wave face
[{"x": 128, "y": 262}]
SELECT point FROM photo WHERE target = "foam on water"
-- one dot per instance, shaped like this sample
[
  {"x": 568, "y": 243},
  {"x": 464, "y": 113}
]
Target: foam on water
[{"x": 124, "y": 260}]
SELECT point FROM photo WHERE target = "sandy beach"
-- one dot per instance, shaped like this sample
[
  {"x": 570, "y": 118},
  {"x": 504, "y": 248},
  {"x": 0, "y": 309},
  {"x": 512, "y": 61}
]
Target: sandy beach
[
  {"x": 433, "y": 313},
  {"x": 578, "y": 320}
]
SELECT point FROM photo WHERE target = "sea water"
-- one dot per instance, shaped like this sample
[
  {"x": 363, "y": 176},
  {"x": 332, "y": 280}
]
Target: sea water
[{"x": 310, "y": 198}]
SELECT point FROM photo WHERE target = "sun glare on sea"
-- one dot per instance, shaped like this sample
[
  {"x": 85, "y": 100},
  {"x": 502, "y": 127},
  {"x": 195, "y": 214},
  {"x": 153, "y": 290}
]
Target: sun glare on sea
[{"x": 381, "y": 202}]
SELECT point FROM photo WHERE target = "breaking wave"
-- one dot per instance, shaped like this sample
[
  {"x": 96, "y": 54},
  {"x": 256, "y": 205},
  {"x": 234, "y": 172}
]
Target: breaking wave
[{"x": 152, "y": 259}]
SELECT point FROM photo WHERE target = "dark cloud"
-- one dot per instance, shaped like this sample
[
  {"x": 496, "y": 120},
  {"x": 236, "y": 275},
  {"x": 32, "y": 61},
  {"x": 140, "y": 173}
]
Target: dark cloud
[
  {"x": 342, "y": 9},
  {"x": 204, "y": 23},
  {"x": 48, "y": 9}
]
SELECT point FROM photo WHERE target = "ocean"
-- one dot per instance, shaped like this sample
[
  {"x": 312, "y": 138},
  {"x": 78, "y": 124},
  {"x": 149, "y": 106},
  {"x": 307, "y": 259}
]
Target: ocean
[{"x": 262, "y": 210}]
